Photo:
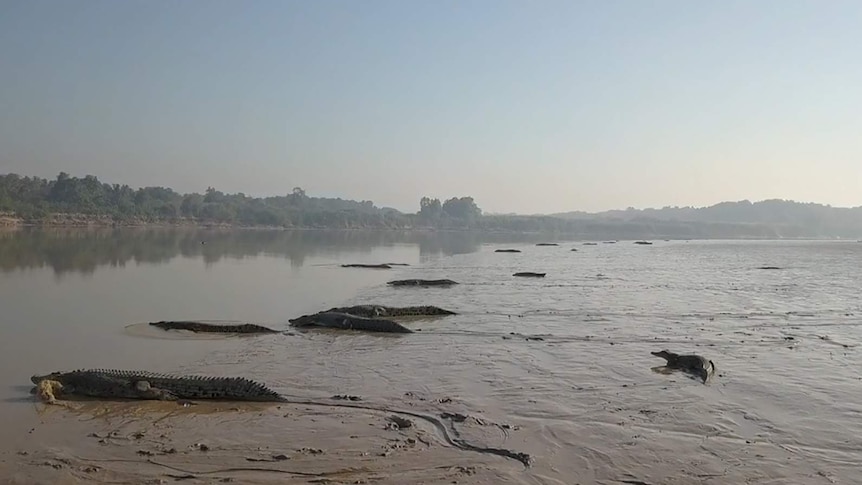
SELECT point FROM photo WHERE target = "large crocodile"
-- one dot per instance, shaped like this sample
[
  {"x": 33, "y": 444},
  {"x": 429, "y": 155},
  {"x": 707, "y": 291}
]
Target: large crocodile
[
  {"x": 196, "y": 327},
  {"x": 122, "y": 384},
  {"x": 149, "y": 385},
  {"x": 372, "y": 311},
  {"x": 346, "y": 321},
  {"x": 693, "y": 364}
]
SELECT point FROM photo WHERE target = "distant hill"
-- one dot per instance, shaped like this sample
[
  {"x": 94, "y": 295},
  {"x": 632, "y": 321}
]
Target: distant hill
[
  {"x": 796, "y": 219},
  {"x": 766, "y": 211}
]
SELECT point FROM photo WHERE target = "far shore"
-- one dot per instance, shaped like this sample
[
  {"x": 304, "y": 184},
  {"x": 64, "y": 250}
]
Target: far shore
[
  {"x": 99, "y": 221},
  {"x": 13, "y": 222},
  {"x": 84, "y": 221}
]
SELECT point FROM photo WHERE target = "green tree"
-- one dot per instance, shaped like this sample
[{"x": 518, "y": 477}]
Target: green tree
[
  {"x": 463, "y": 208},
  {"x": 430, "y": 209},
  {"x": 192, "y": 205}
]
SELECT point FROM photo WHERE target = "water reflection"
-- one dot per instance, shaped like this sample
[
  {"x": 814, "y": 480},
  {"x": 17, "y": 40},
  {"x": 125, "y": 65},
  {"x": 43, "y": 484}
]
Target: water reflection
[{"x": 83, "y": 250}]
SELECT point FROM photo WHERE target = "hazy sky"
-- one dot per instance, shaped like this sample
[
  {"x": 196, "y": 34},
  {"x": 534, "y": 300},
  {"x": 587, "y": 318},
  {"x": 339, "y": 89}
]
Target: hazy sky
[{"x": 528, "y": 106}]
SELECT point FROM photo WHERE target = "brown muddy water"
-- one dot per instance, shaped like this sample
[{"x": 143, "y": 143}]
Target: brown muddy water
[{"x": 557, "y": 367}]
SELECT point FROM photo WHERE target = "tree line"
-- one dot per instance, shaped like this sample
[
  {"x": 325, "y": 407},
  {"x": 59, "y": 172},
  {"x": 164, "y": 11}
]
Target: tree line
[{"x": 35, "y": 199}]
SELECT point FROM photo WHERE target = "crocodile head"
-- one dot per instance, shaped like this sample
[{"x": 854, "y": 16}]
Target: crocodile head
[
  {"x": 36, "y": 379},
  {"x": 324, "y": 319},
  {"x": 303, "y": 321},
  {"x": 665, "y": 354}
]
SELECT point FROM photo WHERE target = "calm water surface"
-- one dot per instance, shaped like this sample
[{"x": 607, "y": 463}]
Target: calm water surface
[{"x": 583, "y": 398}]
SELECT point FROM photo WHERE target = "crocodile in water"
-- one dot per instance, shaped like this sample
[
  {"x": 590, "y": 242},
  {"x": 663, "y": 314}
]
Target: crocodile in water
[
  {"x": 367, "y": 311},
  {"x": 418, "y": 282},
  {"x": 115, "y": 384},
  {"x": 372, "y": 311},
  {"x": 345, "y": 321},
  {"x": 507, "y": 251},
  {"x": 530, "y": 274},
  {"x": 213, "y": 328},
  {"x": 370, "y": 266},
  {"x": 693, "y": 364}
]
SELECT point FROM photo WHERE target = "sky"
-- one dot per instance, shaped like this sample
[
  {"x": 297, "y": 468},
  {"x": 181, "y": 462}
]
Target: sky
[{"x": 528, "y": 107}]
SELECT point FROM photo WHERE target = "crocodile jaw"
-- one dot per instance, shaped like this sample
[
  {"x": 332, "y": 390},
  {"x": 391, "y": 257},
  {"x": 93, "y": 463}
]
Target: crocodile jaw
[{"x": 36, "y": 379}]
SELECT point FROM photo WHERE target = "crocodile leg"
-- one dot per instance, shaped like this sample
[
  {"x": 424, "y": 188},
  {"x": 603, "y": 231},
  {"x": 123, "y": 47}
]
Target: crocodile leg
[{"x": 149, "y": 392}]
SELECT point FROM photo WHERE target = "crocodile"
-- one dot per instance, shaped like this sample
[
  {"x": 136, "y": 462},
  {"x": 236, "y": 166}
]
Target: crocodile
[
  {"x": 372, "y": 311},
  {"x": 547, "y": 244},
  {"x": 346, "y": 321},
  {"x": 693, "y": 364},
  {"x": 418, "y": 282},
  {"x": 149, "y": 385},
  {"x": 143, "y": 385},
  {"x": 507, "y": 251},
  {"x": 370, "y": 266},
  {"x": 530, "y": 274},
  {"x": 212, "y": 327}
]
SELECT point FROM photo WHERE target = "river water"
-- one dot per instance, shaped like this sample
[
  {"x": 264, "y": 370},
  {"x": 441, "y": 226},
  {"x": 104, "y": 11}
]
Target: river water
[{"x": 558, "y": 367}]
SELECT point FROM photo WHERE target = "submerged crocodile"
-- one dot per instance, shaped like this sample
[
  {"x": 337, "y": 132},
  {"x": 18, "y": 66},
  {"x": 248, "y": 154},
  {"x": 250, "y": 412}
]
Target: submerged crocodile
[
  {"x": 114, "y": 384},
  {"x": 345, "y": 321},
  {"x": 369, "y": 312},
  {"x": 212, "y": 327},
  {"x": 372, "y": 311},
  {"x": 418, "y": 282},
  {"x": 369, "y": 266},
  {"x": 530, "y": 274},
  {"x": 507, "y": 251},
  {"x": 693, "y": 364}
]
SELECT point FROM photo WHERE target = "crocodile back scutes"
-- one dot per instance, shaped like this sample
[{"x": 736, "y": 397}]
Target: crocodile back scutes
[{"x": 190, "y": 385}]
